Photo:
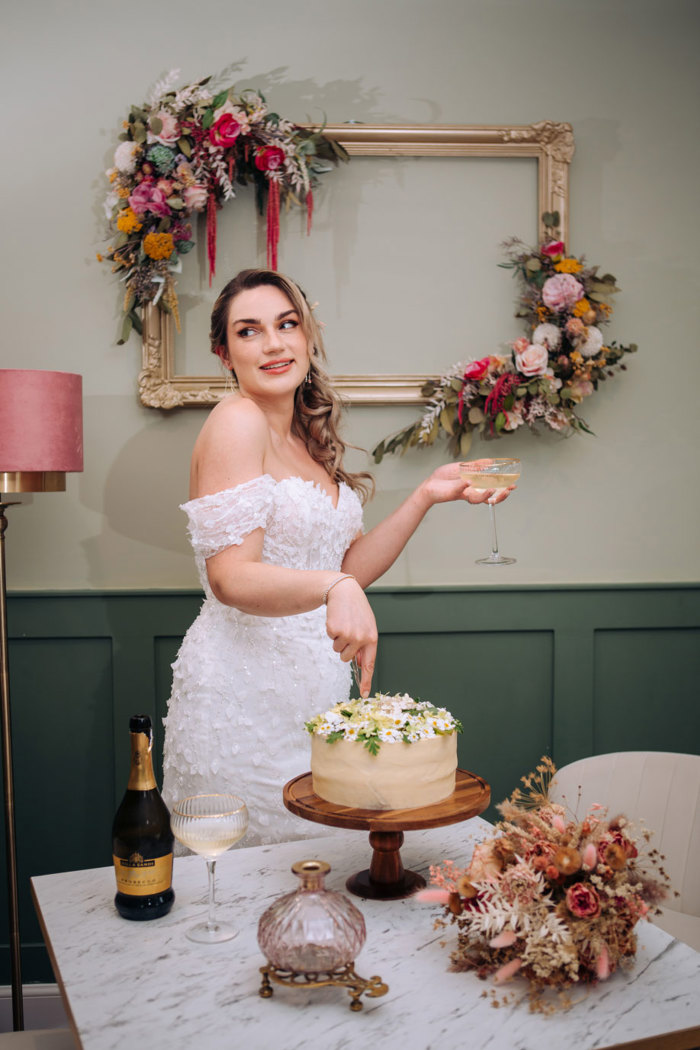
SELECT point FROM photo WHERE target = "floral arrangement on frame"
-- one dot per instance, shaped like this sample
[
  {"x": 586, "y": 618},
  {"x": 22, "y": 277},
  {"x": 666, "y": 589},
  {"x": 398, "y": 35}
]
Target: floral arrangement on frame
[
  {"x": 183, "y": 152},
  {"x": 545, "y": 375},
  {"x": 551, "y": 897}
]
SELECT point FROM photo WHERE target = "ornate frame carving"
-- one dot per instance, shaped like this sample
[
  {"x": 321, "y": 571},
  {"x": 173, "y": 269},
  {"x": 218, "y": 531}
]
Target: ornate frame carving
[{"x": 552, "y": 144}]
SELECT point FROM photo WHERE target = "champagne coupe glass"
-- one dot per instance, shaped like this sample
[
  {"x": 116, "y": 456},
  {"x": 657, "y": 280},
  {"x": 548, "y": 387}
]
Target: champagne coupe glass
[
  {"x": 209, "y": 825},
  {"x": 495, "y": 474}
]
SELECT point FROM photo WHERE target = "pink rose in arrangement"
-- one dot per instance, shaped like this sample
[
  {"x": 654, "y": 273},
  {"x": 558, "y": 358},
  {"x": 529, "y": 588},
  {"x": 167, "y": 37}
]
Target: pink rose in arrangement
[
  {"x": 553, "y": 248},
  {"x": 169, "y": 132},
  {"x": 477, "y": 369},
  {"x": 165, "y": 186},
  {"x": 561, "y": 292},
  {"x": 485, "y": 865},
  {"x": 582, "y": 901},
  {"x": 269, "y": 158},
  {"x": 521, "y": 344},
  {"x": 579, "y": 389},
  {"x": 533, "y": 360},
  {"x": 147, "y": 197},
  {"x": 224, "y": 131},
  {"x": 195, "y": 197}
]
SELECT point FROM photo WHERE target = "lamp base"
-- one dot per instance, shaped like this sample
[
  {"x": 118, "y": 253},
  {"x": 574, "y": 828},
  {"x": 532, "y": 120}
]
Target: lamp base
[{"x": 33, "y": 481}]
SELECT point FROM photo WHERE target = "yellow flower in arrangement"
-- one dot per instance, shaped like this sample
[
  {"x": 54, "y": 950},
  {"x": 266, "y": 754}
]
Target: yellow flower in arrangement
[
  {"x": 158, "y": 245},
  {"x": 127, "y": 221},
  {"x": 122, "y": 192},
  {"x": 581, "y": 307},
  {"x": 568, "y": 266},
  {"x": 576, "y": 357}
]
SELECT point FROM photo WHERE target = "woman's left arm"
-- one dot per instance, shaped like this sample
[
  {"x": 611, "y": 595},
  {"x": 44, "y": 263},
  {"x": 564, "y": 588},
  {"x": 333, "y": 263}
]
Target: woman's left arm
[{"x": 370, "y": 555}]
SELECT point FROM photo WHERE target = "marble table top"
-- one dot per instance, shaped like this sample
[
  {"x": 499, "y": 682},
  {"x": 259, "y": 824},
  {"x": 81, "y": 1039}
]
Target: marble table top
[{"x": 144, "y": 984}]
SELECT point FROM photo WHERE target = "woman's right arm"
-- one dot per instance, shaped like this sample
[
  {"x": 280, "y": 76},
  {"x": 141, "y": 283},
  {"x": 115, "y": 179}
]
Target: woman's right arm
[{"x": 230, "y": 452}]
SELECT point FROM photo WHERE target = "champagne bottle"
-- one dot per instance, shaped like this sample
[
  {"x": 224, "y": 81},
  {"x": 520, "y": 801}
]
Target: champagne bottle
[{"x": 142, "y": 841}]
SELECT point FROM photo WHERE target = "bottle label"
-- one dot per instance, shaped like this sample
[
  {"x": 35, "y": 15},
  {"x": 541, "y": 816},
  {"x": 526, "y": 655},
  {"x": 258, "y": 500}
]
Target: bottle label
[{"x": 141, "y": 876}]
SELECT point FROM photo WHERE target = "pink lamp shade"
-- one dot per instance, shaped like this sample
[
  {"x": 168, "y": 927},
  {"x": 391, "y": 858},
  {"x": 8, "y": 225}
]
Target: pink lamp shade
[{"x": 41, "y": 421}]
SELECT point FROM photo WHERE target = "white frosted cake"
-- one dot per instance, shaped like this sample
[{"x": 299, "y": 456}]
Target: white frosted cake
[{"x": 386, "y": 752}]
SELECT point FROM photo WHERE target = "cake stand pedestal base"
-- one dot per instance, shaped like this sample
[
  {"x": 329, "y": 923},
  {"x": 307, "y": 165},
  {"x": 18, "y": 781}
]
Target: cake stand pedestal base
[{"x": 386, "y": 878}]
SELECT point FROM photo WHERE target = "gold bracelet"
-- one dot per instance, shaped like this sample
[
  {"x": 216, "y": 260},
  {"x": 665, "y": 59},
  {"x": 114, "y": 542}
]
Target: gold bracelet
[{"x": 329, "y": 588}]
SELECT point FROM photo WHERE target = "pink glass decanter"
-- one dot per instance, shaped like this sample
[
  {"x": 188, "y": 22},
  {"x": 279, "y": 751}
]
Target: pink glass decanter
[{"x": 312, "y": 930}]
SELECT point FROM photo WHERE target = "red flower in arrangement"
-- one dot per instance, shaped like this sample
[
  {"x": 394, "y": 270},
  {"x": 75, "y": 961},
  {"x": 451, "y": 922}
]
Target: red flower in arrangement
[
  {"x": 224, "y": 131},
  {"x": 269, "y": 158},
  {"x": 582, "y": 901},
  {"x": 553, "y": 248},
  {"x": 477, "y": 369}
]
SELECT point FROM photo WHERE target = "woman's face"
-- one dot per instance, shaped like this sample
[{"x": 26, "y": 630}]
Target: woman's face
[{"x": 267, "y": 348}]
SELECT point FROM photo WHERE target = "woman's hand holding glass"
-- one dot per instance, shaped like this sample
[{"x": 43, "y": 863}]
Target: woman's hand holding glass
[
  {"x": 447, "y": 484},
  {"x": 351, "y": 624}
]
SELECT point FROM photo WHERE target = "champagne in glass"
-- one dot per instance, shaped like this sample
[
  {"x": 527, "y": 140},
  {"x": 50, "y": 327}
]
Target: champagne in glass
[
  {"x": 209, "y": 825},
  {"x": 497, "y": 474}
]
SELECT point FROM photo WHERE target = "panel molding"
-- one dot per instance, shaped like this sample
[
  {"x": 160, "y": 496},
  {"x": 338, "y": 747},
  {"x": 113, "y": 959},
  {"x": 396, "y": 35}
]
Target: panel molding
[{"x": 552, "y": 665}]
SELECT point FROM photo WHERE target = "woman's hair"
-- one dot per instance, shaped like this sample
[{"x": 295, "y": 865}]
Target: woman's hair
[{"x": 317, "y": 407}]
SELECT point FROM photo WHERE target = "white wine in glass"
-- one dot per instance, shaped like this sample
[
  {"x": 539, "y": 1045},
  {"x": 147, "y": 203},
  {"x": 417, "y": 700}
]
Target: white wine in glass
[
  {"x": 497, "y": 474},
  {"x": 209, "y": 825}
]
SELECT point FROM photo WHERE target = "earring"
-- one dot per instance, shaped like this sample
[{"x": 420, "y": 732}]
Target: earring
[
  {"x": 307, "y": 381},
  {"x": 231, "y": 383}
]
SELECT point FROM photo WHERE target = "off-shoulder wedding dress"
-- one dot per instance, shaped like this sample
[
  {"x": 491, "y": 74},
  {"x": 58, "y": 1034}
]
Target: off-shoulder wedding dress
[{"x": 244, "y": 685}]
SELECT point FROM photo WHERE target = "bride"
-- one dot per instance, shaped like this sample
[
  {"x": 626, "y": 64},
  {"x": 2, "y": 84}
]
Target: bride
[{"x": 275, "y": 521}]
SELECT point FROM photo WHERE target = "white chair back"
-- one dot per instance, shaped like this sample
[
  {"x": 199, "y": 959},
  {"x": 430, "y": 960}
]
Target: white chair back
[{"x": 659, "y": 787}]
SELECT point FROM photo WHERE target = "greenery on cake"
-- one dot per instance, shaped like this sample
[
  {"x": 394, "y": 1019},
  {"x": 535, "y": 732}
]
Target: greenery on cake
[{"x": 383, "y": 719}]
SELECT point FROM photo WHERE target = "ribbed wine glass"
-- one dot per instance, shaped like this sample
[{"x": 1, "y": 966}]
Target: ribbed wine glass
[
  {"x": 209, "y": 825},
  {"x": 495, "y": 474}
]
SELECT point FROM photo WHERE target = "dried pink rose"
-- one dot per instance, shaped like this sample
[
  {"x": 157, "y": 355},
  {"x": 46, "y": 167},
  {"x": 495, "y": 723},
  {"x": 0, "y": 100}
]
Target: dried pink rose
[
  {"x": 561, "y": 292},
  {"x": 582, "y": 901},
  {"x": 485, "y": 865},
  {"x": 195, "y": 197},
  {"x": 533, "y": 360},
  {"x": 169, "y": 132}
]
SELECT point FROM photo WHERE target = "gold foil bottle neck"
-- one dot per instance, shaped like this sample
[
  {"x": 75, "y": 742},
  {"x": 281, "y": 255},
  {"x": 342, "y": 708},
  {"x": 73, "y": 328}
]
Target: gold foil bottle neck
[{"x": 141, "y": 776}]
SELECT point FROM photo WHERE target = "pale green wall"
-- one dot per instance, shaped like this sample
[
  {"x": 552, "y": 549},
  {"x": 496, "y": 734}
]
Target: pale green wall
[{"x": 619, "y": 507}]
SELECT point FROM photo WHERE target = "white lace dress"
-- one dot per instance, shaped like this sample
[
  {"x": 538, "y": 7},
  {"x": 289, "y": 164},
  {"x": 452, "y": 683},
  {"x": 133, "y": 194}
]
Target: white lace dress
[{"x": 244, "y": 685}]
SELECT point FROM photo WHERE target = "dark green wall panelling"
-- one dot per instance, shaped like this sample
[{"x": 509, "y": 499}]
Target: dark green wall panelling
[{"x": 564, "y": 671}]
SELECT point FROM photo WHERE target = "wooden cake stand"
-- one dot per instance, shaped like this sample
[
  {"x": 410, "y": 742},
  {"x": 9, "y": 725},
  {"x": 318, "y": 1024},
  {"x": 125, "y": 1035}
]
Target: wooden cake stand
[{"x": 386, "y": 878}]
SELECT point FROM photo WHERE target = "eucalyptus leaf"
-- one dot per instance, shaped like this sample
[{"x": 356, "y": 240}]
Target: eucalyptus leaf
[
  {"x": 139, "y": 133},
  {"x": 156, "y": 125},
  {"x": 457, "y": 385},
  {"x": 533, "y": 264},
  {"x": 208, "y": 119},
  {"x": 476, "y": 415},
  {"x": 446, "y": 418},
  {"x": 126, "y": 328},
  {"x": 465, "y": 443},
  {"x": 428, "y": 389},
  {"x": 185, "y": 146},
  {"x": 176, "y": 203},
  {"x": 499, "y": 422}
]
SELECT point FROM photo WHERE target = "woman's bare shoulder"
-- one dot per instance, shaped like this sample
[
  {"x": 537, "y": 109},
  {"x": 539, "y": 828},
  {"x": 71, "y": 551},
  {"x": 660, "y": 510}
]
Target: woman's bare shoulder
[{"x": 230, "y": 448}]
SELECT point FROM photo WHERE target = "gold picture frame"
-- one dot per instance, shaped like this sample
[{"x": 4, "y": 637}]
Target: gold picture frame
[{"x": 552, "y": 144}]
